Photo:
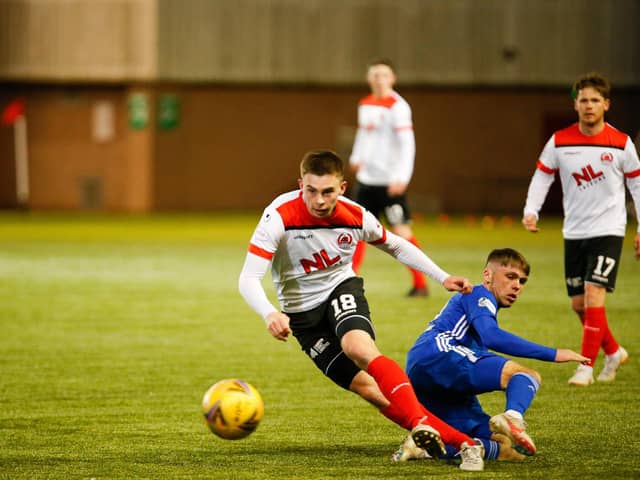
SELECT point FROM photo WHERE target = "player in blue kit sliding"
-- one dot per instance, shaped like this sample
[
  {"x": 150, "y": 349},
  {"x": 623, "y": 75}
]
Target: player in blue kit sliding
[{"x": 451, "y": 362}]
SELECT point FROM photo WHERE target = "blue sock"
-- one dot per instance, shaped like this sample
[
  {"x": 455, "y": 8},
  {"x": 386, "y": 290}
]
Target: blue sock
[
  {"x": 520, "y": 392},
  {"x": 491, "y": 448},
  {"x": 451, "y": 452}
]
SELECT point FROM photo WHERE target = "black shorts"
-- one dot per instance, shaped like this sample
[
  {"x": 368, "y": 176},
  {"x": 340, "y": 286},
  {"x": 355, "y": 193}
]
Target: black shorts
[
  {"x": 377, "y": 201},
  {"x": 591, "y": 260},
  {"x": 319, "y": 330}
]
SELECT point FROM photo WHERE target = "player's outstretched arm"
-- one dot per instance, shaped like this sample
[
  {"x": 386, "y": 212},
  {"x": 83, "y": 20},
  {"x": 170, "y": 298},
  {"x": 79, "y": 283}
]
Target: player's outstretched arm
[
  {"x": 407, "y": 253},
  {"x": 566, "y": 355}
]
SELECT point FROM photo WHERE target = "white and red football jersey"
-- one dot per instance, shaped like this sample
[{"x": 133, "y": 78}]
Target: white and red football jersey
[
  {"x": 310, "y": 256},
  {"x": 385, "y": 145},
  {"x": 592, "y": 170}
]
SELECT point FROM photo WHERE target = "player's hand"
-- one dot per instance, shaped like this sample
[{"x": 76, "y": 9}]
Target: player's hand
[
  {"x": 457, "y": 284},
  {"x": 566, "y": 355},
  {"x": 530, "y": 222},
  {"x": 396, "y": 189},
  {"x": 278, "y": 326},
  {"x": 636, "y": 245}
]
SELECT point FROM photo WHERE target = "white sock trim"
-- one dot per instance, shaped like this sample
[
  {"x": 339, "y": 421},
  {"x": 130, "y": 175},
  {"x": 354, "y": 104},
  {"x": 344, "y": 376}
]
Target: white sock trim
[{"x": 514, "y": 414}]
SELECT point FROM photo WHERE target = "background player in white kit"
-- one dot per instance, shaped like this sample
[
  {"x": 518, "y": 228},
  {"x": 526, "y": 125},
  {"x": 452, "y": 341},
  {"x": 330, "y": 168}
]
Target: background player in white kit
[
  {"x": 307, "y": 237},
  {"x": 383, "y": 157},
  {"x": 594, "y": 160}
]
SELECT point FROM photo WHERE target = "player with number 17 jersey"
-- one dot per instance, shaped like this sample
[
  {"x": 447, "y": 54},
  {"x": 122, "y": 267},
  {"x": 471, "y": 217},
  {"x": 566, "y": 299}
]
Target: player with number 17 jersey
[{"x": 593, "y": 170}]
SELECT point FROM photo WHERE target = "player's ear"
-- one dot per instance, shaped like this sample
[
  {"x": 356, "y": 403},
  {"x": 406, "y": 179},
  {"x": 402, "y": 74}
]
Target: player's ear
[
  {"x": 300, "y": 183},
  {"x": 487, "y": 275},
  {"x": 607, "y": 104},
  {"x": 343, "y": 187}
]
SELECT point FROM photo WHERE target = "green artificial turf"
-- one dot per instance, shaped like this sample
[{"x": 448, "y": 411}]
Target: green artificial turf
[{"x": 113, "y": 327}]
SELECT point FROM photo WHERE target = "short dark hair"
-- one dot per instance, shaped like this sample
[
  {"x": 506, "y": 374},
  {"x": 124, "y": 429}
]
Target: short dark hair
[
  {"x": 509, "y": 256},
  {"x": 594, "y": 80},
  {"x": 322, "y": 162},
  {"x": 382, "y": 61}
]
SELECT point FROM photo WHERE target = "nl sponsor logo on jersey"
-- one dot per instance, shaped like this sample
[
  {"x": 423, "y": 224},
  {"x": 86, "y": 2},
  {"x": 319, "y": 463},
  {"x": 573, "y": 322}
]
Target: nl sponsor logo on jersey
[
  {"x": 322, "y": 259},
  {"x": 587, "y": 177}
]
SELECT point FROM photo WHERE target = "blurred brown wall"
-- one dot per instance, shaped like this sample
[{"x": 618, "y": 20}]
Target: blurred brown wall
[
  {"x": 68, "y": 168},
  {"x": 238, "y": 147}
]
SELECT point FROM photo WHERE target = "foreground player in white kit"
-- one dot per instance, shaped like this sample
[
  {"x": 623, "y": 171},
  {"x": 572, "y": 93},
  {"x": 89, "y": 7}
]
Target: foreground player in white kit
[
  {"x": 382, "y": 159},
  {"x": 308, "y": 237},
  {"x": 594, "y": 160}
]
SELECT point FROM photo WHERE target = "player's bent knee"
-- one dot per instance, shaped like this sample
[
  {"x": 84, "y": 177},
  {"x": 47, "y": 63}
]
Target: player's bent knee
[
  {"x": 578, "y": 308},
  {"x": 532, "y": 373},
  {"x": 537, "y": 376},
  {"x": 359, "y": 347},
  {"x": 512, "y": 368}
]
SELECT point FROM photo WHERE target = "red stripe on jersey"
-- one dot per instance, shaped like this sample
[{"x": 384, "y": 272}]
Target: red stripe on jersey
[
  {"x": 544, "y": 168},
  {"x": 381, "y": 239},
  {"x": 635, "y": 173},
  {"x": 294, "y": 214},
  {"x": 261, "y": 252},
  {"x": 386, "y": 102},
  {"x": 608, "y": 137},
  {"x": 407, "y": 127}
]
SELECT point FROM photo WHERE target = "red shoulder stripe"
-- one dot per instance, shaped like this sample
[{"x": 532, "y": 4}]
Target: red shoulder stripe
[
  {"x": 569, "y": 136},
  {"x": 608, "y": 137},
  {"x": 381, "y": 239},
  {"x": 386, "y": 102},
  {"x": 261, "y": 252},
  {"x": 294, "y": 212},
  {"x": 295, "y": 215},
  {"x": 633, "y": 174},
  {"x": 347, "y": 213},
  {"x": 544, "y": 168}
]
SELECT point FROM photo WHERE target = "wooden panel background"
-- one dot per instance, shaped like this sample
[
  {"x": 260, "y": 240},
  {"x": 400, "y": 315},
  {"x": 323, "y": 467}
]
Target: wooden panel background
[{"x": 436, "y": 42}]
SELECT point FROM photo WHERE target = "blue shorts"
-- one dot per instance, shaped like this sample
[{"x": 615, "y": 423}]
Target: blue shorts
[
  {"x": 447, "y": 383},
  {"x": 465, "y": 414}
]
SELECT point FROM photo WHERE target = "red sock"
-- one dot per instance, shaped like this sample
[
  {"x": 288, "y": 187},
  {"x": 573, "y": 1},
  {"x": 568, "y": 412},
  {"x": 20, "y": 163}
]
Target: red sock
[
  {"x": 358, "y": 256},
  {"x": 395, "y": 386},
  {"x": 394, "y": 413},
  {"x": 405, "y": 409},
  {"x": 449, "y": 435},
  {"x": 609, "y": 343},
  {"x": 419, "y": 280},
  {"x": 595, "y": 324}
]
